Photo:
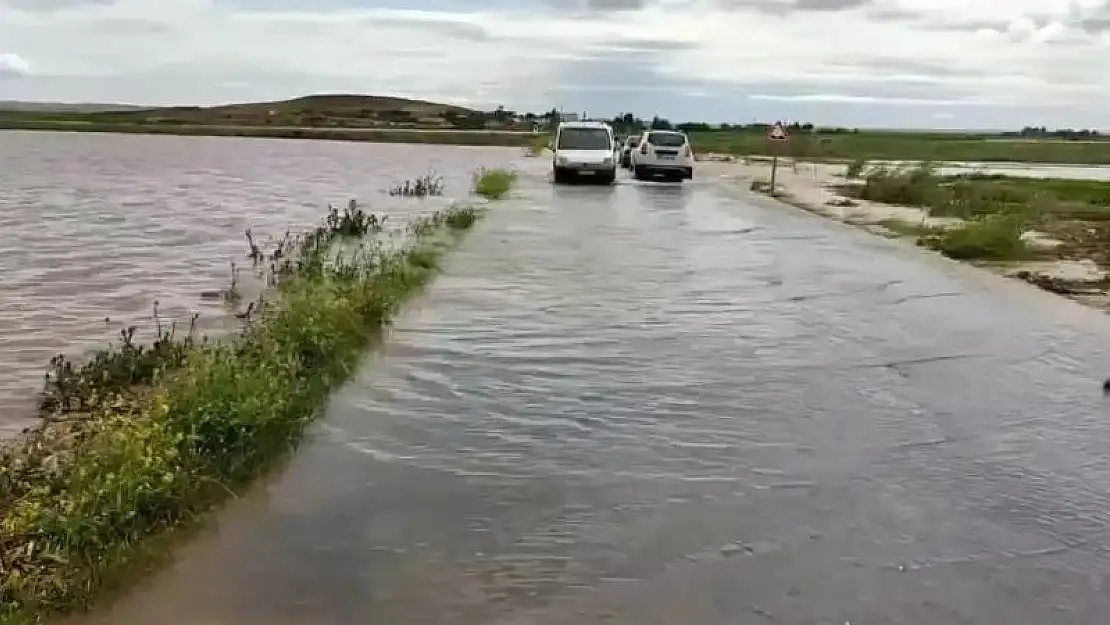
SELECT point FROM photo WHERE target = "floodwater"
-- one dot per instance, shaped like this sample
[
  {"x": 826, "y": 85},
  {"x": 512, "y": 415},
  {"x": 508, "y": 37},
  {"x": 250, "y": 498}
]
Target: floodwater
[
  {"x": 95, "y": 225},
  {"x": 1021, "y": 170},
  {"x": 662, "y": 405}
]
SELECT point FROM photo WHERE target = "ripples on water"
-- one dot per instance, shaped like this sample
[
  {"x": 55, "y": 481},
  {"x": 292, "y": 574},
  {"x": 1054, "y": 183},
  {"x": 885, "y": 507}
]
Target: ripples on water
[
  {"x": 95, "y": 225},
  {"x": 652, "y": 405}
]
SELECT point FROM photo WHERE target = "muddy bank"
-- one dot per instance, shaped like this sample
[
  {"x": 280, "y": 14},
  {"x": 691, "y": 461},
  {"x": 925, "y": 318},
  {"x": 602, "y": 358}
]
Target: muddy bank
[{"x": 1066, "y": 255}]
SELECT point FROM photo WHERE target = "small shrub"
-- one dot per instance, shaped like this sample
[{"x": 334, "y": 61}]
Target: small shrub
[
  {"x": 494, "y": 184},
  {"x": 996, "y": 237},
  {"x": 908, "y": 187}
]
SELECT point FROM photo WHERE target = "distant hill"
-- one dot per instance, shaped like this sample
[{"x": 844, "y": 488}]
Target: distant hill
[
  {"x": 66, "y": 107},
  {"x": 314, "y": 110}
]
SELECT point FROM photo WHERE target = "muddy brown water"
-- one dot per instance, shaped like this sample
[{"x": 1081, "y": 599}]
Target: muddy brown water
[
  {"x": 104, "y": 225},
  {"x": 656, "y": 404}
]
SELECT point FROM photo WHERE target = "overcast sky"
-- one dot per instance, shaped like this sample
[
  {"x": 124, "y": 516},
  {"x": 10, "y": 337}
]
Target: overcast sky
[{"x": 907, "y": 63}]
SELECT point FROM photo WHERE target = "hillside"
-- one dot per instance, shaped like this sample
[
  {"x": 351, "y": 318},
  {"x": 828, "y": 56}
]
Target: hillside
[{"x": 316, "y": 110}]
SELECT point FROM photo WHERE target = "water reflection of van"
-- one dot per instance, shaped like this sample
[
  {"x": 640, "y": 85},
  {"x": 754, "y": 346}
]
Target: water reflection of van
[{"x": 583, "y": 150}]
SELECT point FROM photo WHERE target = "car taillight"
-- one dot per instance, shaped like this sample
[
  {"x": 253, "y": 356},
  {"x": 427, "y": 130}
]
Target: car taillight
[{"x": 643, "y": 148}]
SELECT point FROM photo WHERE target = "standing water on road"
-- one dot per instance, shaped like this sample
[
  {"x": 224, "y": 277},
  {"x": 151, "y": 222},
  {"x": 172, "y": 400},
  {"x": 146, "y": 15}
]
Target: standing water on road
[
  {"x": 95, "y": 225},
  {"x": 654, "y": 404}
]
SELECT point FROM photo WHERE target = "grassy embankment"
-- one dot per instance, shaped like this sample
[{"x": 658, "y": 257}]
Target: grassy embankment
[
  {"x": 143, "y": 439},
  {"x": 995, "y": 211},
  {"x": 904, "y": 146}
]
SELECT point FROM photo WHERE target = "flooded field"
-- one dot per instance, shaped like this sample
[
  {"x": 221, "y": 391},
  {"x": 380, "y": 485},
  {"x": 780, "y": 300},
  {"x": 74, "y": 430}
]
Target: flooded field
[
  {"x": 104, "y": 225},
  {"x": 1070, "y": 172},
  {"x": 655, "y": 404}
]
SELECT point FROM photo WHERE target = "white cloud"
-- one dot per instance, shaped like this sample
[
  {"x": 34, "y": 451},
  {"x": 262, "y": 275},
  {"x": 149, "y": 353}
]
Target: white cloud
[
  {"x": 946, "y": 53},
  {"x": 13, "y": 65}
]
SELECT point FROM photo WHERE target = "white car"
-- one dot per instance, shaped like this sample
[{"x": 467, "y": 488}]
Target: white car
[
  {"x": 663, "y": 153},
  {"x": 583, "y": 149}
]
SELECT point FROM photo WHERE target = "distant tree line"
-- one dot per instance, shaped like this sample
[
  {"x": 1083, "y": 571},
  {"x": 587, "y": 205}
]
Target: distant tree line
[
  {"x": 629, "y": 123},
  {"x": 1068, "y": 134}
]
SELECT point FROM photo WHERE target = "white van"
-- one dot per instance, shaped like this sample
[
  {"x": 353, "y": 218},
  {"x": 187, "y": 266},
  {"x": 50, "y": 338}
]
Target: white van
[
  {"x": 665, "y": 153},
  {"x": 583, "y": 150}
]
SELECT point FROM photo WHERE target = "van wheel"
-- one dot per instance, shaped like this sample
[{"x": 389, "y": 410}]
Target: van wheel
[
  {"x": 639, "y": 172},
  {"x": 608, "y": 178},
  {"x": 561, "y": 176}
]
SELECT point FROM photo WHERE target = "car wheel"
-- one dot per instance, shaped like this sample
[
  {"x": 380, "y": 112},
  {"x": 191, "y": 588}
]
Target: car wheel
[
  {"x": 689, "y": 173},
  {"x": 561, "y": 176},
  {"x": 608, "y": 177},
  {"x": 639, "y": 172}
]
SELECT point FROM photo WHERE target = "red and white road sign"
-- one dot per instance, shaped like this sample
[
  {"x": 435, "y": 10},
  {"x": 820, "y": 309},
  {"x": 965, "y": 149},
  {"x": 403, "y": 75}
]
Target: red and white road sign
[{"x": 778, "y": 133}]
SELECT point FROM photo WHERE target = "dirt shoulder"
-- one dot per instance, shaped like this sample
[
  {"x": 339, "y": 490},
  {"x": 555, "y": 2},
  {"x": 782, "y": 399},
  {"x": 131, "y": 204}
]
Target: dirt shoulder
[{"x": 1053, "y": 234}]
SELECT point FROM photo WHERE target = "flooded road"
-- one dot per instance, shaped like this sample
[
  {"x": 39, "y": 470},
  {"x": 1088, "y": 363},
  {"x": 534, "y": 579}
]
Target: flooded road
[
  {"x": 676, "y": 405},
  {"x": 95, "y": 225}
]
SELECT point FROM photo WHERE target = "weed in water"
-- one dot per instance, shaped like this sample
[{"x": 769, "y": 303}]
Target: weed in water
[
  {"x": 494, "y": 184},
  {"x": 352, "y": 221},
  {"x": 71, "y": 391},
  {"x": 537, "y": 146},
  {"x": 429, "y": 185}
]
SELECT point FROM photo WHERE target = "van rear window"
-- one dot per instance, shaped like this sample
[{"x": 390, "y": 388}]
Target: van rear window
[
  {"x": 667, "y": 139},
  {"x": 584, "y": 139}
]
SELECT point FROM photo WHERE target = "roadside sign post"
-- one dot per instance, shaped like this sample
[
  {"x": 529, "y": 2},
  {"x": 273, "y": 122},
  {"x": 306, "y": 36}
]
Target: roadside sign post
[{"x": 776, "y": 136}]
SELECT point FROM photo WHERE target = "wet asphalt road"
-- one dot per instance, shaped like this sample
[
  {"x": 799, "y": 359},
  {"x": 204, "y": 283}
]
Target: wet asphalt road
[{"x": 683, "y": 406}]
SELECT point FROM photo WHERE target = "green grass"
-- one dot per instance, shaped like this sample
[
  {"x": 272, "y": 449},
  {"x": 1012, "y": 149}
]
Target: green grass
[
  {"x": 974, "y": 195},
  {"x": 494, "y": 184},
  {"x": 997, "y": 209},
  {"x": 124, "y": 459},
  {"x": 997, "y": 237},
  {"x": 538, "y": 145},
  {"x": 876, "y": 145}
]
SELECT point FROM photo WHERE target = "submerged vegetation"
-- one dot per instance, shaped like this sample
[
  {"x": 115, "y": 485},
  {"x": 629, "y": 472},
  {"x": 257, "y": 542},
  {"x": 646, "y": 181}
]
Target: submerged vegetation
[
  {"x": 141, "y": 439},
  {"x": 494, "y": 184},
  {"x": 428, "y": 185}
]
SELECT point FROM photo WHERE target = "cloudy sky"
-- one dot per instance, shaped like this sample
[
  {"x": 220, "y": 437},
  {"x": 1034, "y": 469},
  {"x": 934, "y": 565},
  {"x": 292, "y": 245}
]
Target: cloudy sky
[{"x": 903, "y": 63}]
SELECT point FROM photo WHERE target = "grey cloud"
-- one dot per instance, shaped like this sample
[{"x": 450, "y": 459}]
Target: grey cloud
[
  {"x": 893, "y": 14},
  {"x": 651, "y": 45},
  {"x": 51, "y": 5},
  {"x": 828, "y": 5},
  {"x": 912, "y": 67},
  {"x": 1095, "y": 25},
  {"x": 131, "y": 26},
  {"x": 616, "y": 5},
  {"x": 591, "y": 8},
  {"x": 450, "y": 28},
  {"x": 1093, "y": 22},
  {"x": 784, "y": 7}
]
